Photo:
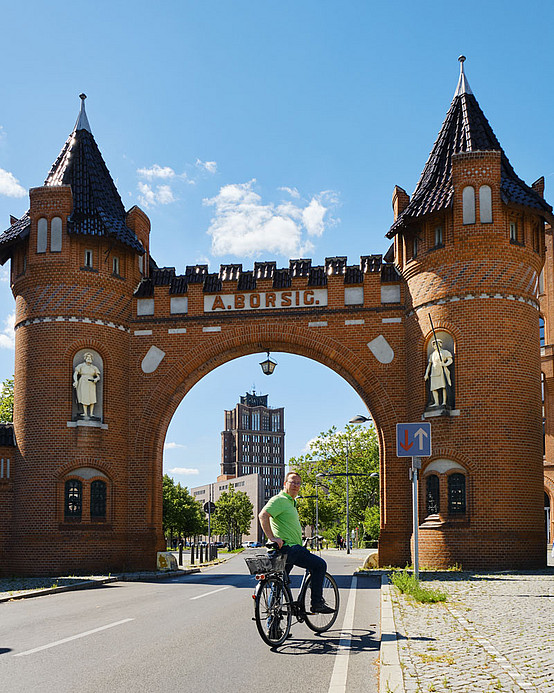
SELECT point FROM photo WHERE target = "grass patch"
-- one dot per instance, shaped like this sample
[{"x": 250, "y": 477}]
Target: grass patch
[{"x": 409, "y": 584}]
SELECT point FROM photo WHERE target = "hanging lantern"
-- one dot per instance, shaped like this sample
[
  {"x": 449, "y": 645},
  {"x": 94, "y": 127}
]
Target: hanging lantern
[{"x": 268, "y": 366}]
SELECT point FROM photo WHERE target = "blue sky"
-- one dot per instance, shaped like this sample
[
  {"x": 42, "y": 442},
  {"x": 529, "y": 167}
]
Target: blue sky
[{"x": 262, "y": 131}]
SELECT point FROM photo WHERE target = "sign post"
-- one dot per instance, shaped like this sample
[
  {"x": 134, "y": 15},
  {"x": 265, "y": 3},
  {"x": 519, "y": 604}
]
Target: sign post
[{"x": 414, "y": 440}]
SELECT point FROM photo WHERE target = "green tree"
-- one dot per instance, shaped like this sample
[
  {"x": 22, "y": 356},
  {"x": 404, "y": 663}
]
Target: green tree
[
  {"x": 182, "y": 514},
  {"x": 6, "y": 401},
  {"x": 233, "y": 515},
  {"x": 327, "y": 455}
]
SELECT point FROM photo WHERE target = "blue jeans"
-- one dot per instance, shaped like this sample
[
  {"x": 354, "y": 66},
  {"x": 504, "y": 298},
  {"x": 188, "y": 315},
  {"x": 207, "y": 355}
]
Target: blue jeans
[{"x": 300, "y": 556}]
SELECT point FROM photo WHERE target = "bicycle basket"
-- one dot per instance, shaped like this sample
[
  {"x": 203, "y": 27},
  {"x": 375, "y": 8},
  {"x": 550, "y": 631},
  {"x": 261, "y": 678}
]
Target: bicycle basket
[{"x": 262, "y": 563}]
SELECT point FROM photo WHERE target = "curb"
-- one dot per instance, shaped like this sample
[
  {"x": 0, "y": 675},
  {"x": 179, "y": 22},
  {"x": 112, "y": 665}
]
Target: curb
[
  {"x": 391, "y": 679},
  {"x": 131, "y": 577}
]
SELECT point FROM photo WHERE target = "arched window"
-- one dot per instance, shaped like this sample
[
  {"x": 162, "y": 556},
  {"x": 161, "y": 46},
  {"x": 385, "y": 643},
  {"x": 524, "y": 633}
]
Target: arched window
[
  {"x": 42, "y": 235},
  {"x": 73, "y": 500},
  {"x": 432, "y": 494},
  {"x": 468, "y": 202},
  {"x": 56, "y": 235},
  {"x": 438, "y": 236},
  {"x": 98, "y": 500},
  {"x": 485, "y": 204},
  {"x": 456, "y": 493}
]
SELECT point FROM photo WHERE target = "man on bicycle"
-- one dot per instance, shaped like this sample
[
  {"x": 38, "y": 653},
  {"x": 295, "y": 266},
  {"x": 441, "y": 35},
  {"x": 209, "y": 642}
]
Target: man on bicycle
[{"x": 281, "y": 524}]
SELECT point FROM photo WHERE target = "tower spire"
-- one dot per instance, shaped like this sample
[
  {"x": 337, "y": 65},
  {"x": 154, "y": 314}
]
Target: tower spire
[
  {"x": 82, "y": 120},
  {"x": 463, "y": 85}
]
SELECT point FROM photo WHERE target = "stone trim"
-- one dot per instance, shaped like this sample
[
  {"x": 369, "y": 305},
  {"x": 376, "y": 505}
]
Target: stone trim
[
  {"x": 71, "y": 318},
  {"x": 470, "y": 297}
]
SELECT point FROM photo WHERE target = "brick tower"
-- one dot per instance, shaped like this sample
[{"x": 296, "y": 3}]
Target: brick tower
[
  {"x": 76, "y": 258},
  {"x": 253, "y": 442},
  {"x": 470, "y": 245}
]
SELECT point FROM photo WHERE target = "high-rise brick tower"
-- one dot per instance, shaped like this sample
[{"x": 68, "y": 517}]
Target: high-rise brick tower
[{"x": 253, "y": 442}]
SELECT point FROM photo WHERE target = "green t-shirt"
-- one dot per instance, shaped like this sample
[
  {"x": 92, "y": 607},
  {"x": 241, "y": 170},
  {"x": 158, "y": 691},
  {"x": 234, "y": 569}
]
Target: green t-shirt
[{"x": 284, "y": 520}]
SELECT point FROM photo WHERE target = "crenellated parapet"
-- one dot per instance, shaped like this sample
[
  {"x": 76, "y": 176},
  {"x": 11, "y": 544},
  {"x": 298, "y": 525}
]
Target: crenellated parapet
[{"x": 301, "y": 285}]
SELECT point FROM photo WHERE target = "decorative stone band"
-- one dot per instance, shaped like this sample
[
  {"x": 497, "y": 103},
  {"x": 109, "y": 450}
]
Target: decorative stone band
[
  {"x": 470, "y": 297},
  {"x": 72, "y": 318}
]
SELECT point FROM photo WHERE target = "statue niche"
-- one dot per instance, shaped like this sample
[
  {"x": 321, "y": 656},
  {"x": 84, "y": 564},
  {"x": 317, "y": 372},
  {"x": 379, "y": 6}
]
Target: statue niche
[
  {"x": 439, "y": 374},
  {"x": 87, "y": 386}
]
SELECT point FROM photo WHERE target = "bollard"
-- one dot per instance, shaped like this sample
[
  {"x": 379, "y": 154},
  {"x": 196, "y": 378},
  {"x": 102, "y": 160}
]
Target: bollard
[
  {"x": 192, "y": 555},
  {"x": 201, "y": 554},
  {"x": 180, "y": 554}
]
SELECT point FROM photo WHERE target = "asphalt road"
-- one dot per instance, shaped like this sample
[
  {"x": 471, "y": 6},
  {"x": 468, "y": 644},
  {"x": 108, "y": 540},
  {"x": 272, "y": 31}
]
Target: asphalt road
[{"x": 188, "y": 633}]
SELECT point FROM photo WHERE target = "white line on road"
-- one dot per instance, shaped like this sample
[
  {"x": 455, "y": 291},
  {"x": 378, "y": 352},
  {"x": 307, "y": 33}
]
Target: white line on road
[
  {"x": 73, "y": 637},
  {"x": 207, "y": 594},
  {"x": 340, "y": 670}
]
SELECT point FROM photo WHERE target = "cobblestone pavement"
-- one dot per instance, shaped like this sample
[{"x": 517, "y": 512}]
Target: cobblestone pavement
[{"x": 494, "y": 633}]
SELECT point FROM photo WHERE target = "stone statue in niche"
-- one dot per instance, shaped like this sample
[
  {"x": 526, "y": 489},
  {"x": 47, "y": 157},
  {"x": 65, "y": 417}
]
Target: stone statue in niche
[
  {"x": 85, "y": 377},
  {"x": 438, "y": 376}
]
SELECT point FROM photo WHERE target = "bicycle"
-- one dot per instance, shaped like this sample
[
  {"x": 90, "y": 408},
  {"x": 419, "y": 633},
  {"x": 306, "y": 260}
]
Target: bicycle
[{"x": 274, "y": 606}]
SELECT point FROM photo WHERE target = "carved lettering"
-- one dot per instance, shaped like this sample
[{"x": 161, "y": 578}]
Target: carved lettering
[
  {"x": 218, "y": 303},
  {"x": 261, "y": 300}
]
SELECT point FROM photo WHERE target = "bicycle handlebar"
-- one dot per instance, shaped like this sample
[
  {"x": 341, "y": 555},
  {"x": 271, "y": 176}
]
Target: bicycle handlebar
[{"x": 274, "y": 546}]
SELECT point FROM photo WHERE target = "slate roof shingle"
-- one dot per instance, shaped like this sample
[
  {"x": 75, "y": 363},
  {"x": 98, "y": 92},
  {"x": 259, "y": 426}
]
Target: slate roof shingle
[
  {"x": 97, "y": 206},
  {"x": 465, "y": 129}
]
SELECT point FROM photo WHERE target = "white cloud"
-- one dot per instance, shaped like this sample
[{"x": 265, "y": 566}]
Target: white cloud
[
  {"x": 293, "y": 192},
  {"x": 156, "y": 171},
  {"x": 243, "y": 225},
  {"x": 7, "y": 335},
  {"x": 4, "y": 274},
  {"x": 209, "y": 166},
  {"x": 150, "y": 196},
  {"x": 172, "y": 446},
  {"x": 185, "y": 471},
  {"x": 9, "y": 185}
]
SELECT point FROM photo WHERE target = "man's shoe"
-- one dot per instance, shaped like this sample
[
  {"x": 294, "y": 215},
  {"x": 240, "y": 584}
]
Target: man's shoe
[{"x": 322, "y": 608}]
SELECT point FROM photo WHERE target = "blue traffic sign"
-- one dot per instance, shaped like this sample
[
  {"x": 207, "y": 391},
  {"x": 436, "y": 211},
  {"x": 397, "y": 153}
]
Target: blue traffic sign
[{"x": 413, "y": 439}]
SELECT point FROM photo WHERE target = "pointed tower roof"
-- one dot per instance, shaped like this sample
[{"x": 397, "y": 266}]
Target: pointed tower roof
[
  {"x": 465, "y": 129},
  {"x": 97, "y": 206}
]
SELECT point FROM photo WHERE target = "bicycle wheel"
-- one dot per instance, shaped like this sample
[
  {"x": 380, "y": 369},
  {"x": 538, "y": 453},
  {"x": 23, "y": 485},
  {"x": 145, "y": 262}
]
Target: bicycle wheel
[
  {"x": 273, "y": 611},
  {"x": 321, "y": 622}
]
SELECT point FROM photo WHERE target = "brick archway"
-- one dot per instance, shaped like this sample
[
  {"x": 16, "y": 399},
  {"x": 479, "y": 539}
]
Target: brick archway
[{"x": 162, "y": 393}]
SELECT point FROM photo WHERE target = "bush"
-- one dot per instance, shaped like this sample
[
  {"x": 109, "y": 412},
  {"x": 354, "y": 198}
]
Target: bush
[{"x": 409, "y": 584}]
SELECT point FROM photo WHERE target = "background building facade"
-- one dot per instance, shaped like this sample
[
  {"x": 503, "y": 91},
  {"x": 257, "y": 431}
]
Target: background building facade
[{"x": 253, "y": 442}]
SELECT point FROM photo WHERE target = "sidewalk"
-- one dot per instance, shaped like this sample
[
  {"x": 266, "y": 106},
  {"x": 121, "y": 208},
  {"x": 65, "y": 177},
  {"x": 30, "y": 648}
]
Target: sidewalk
[{"x": 494, "y": 633}]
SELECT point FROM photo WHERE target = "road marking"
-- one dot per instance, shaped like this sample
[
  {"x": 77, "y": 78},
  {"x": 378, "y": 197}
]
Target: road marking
[
  {"x": 73, "y": 637},
  {"x": 207, "y": 594},
  {"x": 340, "y": 670}
]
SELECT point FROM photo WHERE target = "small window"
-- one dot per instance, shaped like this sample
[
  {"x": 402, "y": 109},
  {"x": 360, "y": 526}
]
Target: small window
[
  {"x": 88, "y": 259},
  {"x": 98, "y": 500},
  {"x": 141, "y": 263},
  {"x": 115, "y": 266},
  {"x": 438, "y": 237},
  {"x": 513, "y": 231},
  {"x": 541, "y": 332},
  {"x": 456, "y": 494},
  {"x": 433, "y": 498},
  {"x": 56, "y": 235},
  {"x": 73, "y": 499},
  {"x": 485, "y": 204},
  {"x": 42, "y": 235},
  {"x": 468, "y": 204},
  {"x": 415, "y": 246}
]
